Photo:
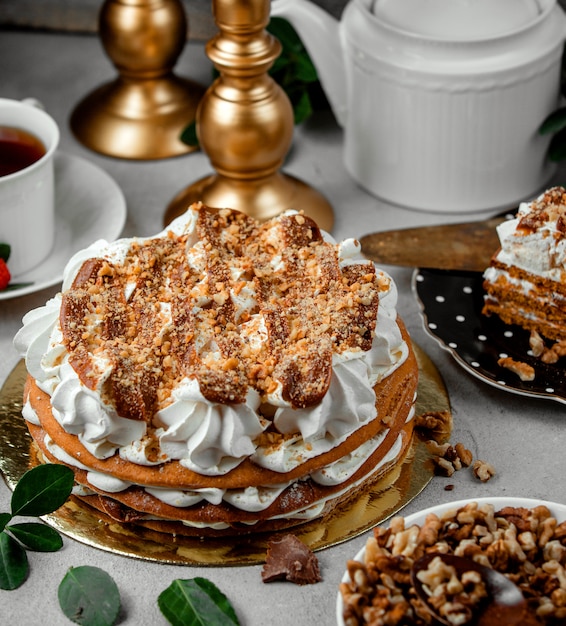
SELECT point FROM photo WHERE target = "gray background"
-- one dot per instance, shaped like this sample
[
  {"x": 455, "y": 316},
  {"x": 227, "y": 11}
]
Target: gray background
[{"x": 82, "y": 15}]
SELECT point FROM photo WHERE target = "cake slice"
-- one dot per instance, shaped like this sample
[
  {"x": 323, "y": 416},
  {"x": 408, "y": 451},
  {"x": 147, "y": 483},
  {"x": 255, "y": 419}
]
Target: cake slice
[{"x": 525, "y": 283}]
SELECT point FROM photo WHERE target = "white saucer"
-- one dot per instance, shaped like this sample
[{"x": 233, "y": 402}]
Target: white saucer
[{"x": 89, "y": 205}]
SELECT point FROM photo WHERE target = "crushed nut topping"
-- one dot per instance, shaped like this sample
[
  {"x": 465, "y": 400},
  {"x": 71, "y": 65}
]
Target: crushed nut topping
[
  {"x": 159, "y": 316},
  {"x": 550, "y": 207}
]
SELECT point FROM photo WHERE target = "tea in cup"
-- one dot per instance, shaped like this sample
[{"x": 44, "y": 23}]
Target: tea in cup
[
  {"x": 29, "y": 138},
  {"x": 18, "y": 149}
]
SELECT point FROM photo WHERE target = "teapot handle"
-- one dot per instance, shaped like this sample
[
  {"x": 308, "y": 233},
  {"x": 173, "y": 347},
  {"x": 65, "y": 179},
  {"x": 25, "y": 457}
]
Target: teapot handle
[{"x": 320, "y": 33}]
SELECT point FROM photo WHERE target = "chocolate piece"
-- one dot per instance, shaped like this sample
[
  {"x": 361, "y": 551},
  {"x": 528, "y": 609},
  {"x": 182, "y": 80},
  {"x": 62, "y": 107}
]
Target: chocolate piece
[{"x": 290, "y": 559}]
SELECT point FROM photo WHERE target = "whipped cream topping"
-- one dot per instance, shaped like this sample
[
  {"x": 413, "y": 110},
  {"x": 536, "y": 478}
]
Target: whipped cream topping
[
  {"x": 524, "y": 286},
  {"x": 250, "y": 499},
  {"x": 208, "y": 437},
  {"x": 535, "y": 240}
]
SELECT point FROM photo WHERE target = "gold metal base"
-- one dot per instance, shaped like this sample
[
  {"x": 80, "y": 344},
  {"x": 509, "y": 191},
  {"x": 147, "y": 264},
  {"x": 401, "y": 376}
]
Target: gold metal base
[
  {"x": 142, "y": 113},
  {"x": 245, "y": 125},
  {"x": 141, "y": 119},
  {"x": 261, "y": 198}
]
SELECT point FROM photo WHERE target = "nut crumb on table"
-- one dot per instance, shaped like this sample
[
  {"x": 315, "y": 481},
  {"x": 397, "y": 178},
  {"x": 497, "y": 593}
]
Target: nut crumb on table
[
  {"x": 437, "y": 424},
  {"x": 448, "y": 459},
  {"x": 482, "y": 470}
]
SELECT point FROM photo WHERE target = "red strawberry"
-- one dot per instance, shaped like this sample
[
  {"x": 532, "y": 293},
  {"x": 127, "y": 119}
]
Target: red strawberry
[{"x": 4, "y": 275}]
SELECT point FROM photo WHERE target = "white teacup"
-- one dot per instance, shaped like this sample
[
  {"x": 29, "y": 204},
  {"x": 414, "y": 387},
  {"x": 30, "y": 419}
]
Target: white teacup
[{"x": 27, "y": 196}]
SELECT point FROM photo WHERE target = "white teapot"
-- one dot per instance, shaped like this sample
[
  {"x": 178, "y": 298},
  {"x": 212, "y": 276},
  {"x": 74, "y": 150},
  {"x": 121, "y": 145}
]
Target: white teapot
[{"x": 440, "y": 100}]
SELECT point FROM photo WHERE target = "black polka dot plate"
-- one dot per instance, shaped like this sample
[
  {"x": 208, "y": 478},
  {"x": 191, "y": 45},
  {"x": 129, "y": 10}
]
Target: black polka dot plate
[{"x": 451, "y": 304}]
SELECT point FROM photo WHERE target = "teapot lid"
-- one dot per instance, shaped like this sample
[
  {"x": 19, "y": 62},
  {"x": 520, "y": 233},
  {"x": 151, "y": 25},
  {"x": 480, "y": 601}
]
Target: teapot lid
[{"x": 459, "y": 20}]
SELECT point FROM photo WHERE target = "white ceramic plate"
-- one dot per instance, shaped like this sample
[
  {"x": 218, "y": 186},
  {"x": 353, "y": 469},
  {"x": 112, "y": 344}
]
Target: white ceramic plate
[
  {"x": 89, "y": 205},
  {"x": 558, "y": 511}
]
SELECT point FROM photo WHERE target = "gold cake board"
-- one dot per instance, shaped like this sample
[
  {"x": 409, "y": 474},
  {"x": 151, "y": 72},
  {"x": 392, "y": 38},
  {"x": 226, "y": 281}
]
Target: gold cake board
[{"x": 88, "y": 526}]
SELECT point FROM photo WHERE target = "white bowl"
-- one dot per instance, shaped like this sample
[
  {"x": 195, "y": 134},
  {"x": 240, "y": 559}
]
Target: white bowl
[{"x": 557, "y": 510}]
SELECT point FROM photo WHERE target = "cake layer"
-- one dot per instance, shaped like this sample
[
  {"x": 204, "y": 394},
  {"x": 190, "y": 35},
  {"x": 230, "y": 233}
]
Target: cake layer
[
  {"x": 525, "y": 299},
  {"x": 301, "y": 500},
  {"x": 525, "y": 283}
]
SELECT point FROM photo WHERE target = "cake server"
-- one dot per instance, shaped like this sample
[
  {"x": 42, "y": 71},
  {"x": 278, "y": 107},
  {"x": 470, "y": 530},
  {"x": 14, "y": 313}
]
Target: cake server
[{"x": 465, "y": 246}]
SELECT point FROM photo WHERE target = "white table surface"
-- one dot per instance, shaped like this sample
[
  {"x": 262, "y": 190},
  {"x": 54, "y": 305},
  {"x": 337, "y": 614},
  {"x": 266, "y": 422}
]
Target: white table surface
[{"x": 524, "y": 438}]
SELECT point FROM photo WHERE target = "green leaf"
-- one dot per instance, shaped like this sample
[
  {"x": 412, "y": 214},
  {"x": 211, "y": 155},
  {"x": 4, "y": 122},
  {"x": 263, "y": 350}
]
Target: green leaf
[
  {"x": 279, "y": 66},
  {"x": 293, "y": 71},
  {"x": 42, "y": 490},
  {"x": 302, "y": 107},
  {"x": 282, "y": 29},
  {"x": 14, "y": 286},
  {"x": 196, "y": 602},
  {"x": 5, "y": 251},
  {"x": 555, "y": 122},
  {"x": 189, "y": 135},
  {"x": 4, "y": 519},
  {"x": 557, "y": 148},
  {"x": 305, "y": 71},
  {"x": 294, "y": 57},
  {"x": 89, "y": 596},
  {"x": 13, "y": 563},
  {"x": 37, "y": 536}
]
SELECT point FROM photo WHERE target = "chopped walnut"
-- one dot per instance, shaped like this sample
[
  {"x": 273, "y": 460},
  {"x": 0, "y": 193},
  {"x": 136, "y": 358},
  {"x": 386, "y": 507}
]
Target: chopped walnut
[
  {"x": 547, "y": 354},
  {"x": 523, "y": 370},
  {"x": 482, "y": 470},
  {"x": 444, "y": 467},
  {"x": 454, "y": 597},
  {"x": 437, "y": 425},
  {"x": 447, "y": 458},
  {"x": 536, "y": 343},
  {"x": 464, "y": 454},
  {"x": 555, "y": 352},
  {"x": 528, "y": 545},
  {"x": 436, "y": 448}
]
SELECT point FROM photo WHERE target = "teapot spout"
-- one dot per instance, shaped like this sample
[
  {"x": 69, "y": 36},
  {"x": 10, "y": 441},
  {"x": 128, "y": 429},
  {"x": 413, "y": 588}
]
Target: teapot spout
[{"x": 320, "y": 33}]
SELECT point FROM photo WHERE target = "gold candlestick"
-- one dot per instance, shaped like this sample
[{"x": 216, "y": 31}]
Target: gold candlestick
[
  {"x": 245, "y": 124},
  {"x": 140, "y": 114}
]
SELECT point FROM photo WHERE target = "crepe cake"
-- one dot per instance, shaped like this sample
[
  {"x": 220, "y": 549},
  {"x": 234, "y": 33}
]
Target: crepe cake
[
  {"x": 525, "y": 283},
  {"x": 225, "y": 376}
]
